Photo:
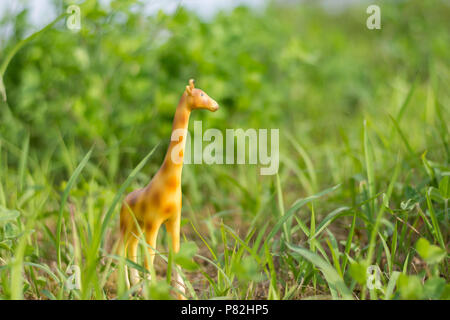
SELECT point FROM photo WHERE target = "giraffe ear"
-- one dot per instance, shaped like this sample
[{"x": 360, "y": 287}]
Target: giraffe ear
[
  {"x": 191, "y": 83},
  {"x": 189, "y": 90}
]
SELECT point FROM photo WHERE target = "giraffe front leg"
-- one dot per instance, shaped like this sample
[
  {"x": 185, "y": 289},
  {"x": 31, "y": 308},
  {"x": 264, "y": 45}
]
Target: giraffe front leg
[
  {"x": 173, "y": 228},
  {"x": 123, "y": 249},
  {"x": 151, "y": 235}
]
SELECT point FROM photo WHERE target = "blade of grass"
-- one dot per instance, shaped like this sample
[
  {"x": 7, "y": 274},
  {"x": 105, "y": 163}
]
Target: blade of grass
[
  {"x": 381, "y": 212},
  {"x": 403, "y": 137},
  {"x": 369, "y": 160},
  {"x": 329, "y": 219},
  {"x": 443, "y": 128},
  {"x": 308, "y": 162},
  {"x": 331, "y": 275},
  {"x": 23, "y": 161},
  {"x": 348, "y": 244},
  {"x": 394, "y": 243},
  {"x": 17, "y": 47},
  {"x": 297, "y": 205},
  {"x": 405, "y": 103},
  {"x": 436, "y": 230},
  {"x": 204, "y": 241},
  {"x": 386, "y": 251},
  {"x": 335, "y": 255},
  {"x": 65, "y": 196},
  {"x": 273, "y": 290},
  {"x": 391, "y": 285},
  {"x": 281, "y": 206}
]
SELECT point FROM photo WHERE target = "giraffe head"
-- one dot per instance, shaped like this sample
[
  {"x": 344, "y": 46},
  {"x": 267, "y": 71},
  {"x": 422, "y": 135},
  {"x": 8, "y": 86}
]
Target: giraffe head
[{"x": 198, "y": 99}]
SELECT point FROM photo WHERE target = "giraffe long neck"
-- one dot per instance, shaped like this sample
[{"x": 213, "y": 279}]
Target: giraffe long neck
[{"x": 173, "y": 161}]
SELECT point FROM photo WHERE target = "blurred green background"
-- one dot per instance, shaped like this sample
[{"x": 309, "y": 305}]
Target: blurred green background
[
  {"x": 297, "y": 68},
  {"x": 314, "y": 73}
]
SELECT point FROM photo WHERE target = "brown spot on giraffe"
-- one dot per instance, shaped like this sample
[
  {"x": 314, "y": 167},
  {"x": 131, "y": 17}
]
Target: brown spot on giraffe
[
  {"x": 170, "y": 208},
  {"x": 143, "y": 206},
  {"x": 148, "y": 226},
  {"x": 182, "y": 119},
  {"x": 133, "y": 201},
  {"x": 172, "y": 182},
  {"x": 156, "y": 198},
  {"x": 164, "y": 167}
]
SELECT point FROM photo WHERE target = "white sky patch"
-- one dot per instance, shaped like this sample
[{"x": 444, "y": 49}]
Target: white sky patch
[{"x": 42, "y": 12}]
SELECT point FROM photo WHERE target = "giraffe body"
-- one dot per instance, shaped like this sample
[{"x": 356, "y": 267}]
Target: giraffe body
[{"x": 160, "y": 201}]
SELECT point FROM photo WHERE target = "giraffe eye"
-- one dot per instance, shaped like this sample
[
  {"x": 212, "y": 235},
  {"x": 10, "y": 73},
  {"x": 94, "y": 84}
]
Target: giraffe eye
[{"x": 201, "y": 94}]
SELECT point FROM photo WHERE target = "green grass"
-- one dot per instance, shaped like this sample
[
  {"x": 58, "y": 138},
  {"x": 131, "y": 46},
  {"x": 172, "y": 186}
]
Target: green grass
[{"x": 364, "y": 157}]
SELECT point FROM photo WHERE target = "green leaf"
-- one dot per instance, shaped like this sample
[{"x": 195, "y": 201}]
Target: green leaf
[
  {"x": 160, "y": 290},
  {"x": 185, "y": 256},
  {"x": 247, "y": 269},
  {"x": 434, "y": 288},
  {"x": 444, "y": 187},
  {"x": 435, "y": 195},
  {"x": 410, "y": 287},
  {"x": 358, "y": 270},
  {"x": 430, "y": 253},
  {"x": 11, "y": 231},
  {"x": 8, "y": 214},
  {"x": 446, "y": 294},
  {"x": 331, "y": 275},
  {"x": 428, "y": 167}
]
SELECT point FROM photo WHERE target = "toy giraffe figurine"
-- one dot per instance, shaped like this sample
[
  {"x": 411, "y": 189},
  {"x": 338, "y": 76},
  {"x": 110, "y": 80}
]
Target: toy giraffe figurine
[{"x": 160, "y": 201}]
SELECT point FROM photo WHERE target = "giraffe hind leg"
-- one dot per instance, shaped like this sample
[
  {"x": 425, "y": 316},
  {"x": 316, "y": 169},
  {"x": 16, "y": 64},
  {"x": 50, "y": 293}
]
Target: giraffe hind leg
[
  {"x": 173, "y": 229},
  {"x": 123, "y": 253},
  {"x": 132, "y": 246}
]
